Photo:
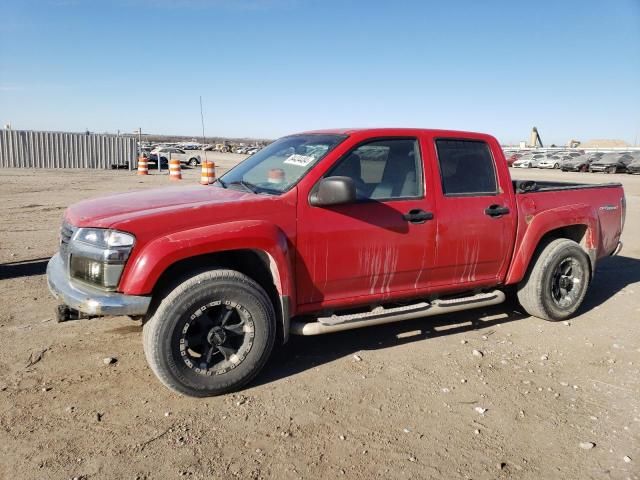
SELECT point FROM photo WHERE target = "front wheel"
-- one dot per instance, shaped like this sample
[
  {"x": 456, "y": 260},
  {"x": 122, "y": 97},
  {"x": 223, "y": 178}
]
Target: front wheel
[
  {"x": 211, "y": 335},
  {"x": 193, "y": 162},
  {"x": 556, "y": 285}
]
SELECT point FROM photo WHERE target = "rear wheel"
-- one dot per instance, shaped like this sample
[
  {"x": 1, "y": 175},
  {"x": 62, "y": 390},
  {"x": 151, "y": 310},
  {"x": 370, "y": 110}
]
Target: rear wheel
[
  {"x": 193, "y": 162},
  {"x": 556, "y": 285},
  {"x": 211, "y": 335}
]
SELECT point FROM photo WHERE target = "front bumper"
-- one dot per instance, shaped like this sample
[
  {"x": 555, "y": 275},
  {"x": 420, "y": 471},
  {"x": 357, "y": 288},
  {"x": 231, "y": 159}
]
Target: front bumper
[{"x": 86, "y": 299}]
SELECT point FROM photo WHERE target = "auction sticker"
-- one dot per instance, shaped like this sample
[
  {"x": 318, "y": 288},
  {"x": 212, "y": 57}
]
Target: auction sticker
[{"x": 299, "y": 160}]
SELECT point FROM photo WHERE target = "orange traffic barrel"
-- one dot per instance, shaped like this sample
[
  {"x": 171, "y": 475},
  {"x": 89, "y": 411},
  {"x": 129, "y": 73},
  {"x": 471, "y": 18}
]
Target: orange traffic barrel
[
  {"x": 143, "y": 166},
  {"x": 208, "y": 175},
  {"x": 174, "y": 170}
]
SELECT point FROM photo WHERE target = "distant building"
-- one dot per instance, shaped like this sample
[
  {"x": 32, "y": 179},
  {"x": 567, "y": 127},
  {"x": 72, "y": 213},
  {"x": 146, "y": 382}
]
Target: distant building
[{"x": 605, "y": 143}]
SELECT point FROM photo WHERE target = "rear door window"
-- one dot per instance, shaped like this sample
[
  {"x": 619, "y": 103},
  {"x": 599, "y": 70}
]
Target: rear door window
[{"x": 466, "y": 167}]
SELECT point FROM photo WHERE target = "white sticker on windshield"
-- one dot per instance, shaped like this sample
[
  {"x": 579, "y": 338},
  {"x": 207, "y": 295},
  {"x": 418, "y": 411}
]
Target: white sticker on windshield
[{"x": 299, "y": 160}]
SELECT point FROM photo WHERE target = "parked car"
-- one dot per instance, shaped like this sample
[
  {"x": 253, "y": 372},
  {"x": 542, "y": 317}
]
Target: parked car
[
  {"x": 611, "y": 163},
  {"x": 323, "y": 232},
  {"x": 185, "y": 158},
  {"x": 152, "y": 160},
  {"x": 576, "y": 164},
  {"x": 634, "y": 167},
  {"x": 550, "y": 161},
  {"x": 511, "y": 157},
  {"x": 595, "y": 155},
  {"x": 528, "y": 161},
  {"x": 144, "y": 151}
]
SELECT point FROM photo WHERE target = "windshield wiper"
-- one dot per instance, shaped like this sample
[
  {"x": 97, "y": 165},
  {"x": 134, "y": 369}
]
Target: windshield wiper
[{"x": 249, "y": 187}]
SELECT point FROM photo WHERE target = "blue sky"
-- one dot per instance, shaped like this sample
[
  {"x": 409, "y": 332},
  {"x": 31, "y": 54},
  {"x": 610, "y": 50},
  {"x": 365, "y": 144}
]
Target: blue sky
[{"x": 272, "y": 67}]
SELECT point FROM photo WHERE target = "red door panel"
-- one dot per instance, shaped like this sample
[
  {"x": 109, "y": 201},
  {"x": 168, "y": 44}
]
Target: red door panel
[
  {"x": 361, "y": 250},
  {"x": 367, "y": 251},
  {"x": 473, "y": 247}
]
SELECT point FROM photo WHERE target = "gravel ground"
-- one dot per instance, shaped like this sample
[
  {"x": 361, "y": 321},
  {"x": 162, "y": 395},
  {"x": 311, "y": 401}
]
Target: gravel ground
[{"x": 409, "y": 400}]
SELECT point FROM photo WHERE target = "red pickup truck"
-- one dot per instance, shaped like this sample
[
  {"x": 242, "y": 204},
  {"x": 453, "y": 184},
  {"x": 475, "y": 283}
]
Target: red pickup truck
[{"x": 327, "y": 231}]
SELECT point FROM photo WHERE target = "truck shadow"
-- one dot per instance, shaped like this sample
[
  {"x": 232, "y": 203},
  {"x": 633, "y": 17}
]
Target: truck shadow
[
  {"x": 613, "y": 274},
  {"x": 303, "y": 353},
  {"x": 24, "y": 268}
]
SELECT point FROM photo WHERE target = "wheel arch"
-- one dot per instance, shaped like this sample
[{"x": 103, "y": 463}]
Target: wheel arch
[
  {"x": 581, "y": 226},
  {"x": 255, "y": 264},
  {"x": 258, "y": 249}
]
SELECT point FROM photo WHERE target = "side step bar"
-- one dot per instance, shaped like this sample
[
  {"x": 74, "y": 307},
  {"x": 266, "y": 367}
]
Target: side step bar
[{"x": 380, "y": 315}]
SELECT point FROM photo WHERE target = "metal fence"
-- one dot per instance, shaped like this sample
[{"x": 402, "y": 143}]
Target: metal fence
[{"x": 30, "y": 149}]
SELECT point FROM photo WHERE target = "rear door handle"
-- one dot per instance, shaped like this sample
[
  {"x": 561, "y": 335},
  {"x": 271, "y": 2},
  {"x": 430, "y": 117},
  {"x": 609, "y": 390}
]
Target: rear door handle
[
  {"x": 417, "y": 216},
  {"x": 496, "y": 210}
]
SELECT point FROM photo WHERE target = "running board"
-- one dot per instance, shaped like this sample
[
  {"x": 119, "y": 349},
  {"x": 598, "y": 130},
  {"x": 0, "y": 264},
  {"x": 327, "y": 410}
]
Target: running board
[{"x": 381, "y": 315}]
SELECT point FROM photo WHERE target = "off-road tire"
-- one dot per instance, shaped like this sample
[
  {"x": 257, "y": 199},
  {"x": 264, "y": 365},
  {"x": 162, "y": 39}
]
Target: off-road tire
[
  {"x": 166, "y": 325},
  {"x": 535, "y": 292}
]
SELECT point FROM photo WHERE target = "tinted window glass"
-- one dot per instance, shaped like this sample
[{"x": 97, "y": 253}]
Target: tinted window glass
[
  {"x": 466, "y": 167},
  {"x": 384, "y": 169},
  {"x": 279, "y": 166}
]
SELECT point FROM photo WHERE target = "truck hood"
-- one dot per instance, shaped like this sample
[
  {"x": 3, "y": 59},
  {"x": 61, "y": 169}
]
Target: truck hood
[{"x": 107, "y": 211}]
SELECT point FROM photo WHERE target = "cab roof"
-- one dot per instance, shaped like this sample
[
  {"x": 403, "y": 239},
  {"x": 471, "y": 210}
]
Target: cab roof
[{"x": 396, "y": 132}]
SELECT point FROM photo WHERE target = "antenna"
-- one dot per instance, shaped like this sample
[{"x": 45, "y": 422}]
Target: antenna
[{"x": 202, "y": 121}]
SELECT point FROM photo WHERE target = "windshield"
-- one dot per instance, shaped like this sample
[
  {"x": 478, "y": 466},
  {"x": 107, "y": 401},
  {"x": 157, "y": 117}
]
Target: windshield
[{"x": 278, "y": 167}]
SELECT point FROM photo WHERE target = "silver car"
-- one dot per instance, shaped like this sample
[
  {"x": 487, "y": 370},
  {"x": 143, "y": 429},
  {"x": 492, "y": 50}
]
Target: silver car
[{"x": 190, "y": 158}]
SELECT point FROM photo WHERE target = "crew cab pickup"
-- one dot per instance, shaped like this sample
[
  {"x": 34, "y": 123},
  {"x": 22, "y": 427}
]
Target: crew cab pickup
[{"x": 327, "y": 231}]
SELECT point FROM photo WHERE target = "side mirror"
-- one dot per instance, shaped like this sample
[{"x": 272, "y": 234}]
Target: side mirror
[{"x": 334, "y": 191}]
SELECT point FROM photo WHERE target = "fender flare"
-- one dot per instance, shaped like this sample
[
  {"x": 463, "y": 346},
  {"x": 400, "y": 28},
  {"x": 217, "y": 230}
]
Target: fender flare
[
  {"x": 547, "y": 221},
  {"x": 142, "y": 273}
]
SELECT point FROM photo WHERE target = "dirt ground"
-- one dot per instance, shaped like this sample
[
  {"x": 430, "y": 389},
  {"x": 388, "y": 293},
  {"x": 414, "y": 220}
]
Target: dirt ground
[{"x": 397, "y": 401}]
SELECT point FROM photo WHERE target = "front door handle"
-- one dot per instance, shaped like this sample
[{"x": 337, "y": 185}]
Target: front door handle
[
  {"x": 496, "y": 210},
  {"x": 417, "y": 216}
]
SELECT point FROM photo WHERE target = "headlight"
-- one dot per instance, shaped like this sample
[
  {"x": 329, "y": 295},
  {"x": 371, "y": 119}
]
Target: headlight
[
  {"x": 98, "y": 256},
  {"x": 104, "y": 238}
]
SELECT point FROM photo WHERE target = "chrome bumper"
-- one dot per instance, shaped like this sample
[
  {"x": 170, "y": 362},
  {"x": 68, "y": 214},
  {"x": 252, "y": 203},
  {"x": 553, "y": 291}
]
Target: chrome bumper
[{"x": 91, "y": 301}]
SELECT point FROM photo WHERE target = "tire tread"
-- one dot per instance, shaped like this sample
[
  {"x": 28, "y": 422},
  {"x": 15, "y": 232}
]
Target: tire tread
[
  {"x": 531, "y": 293},
  {"x": 151, "y": 333}
]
